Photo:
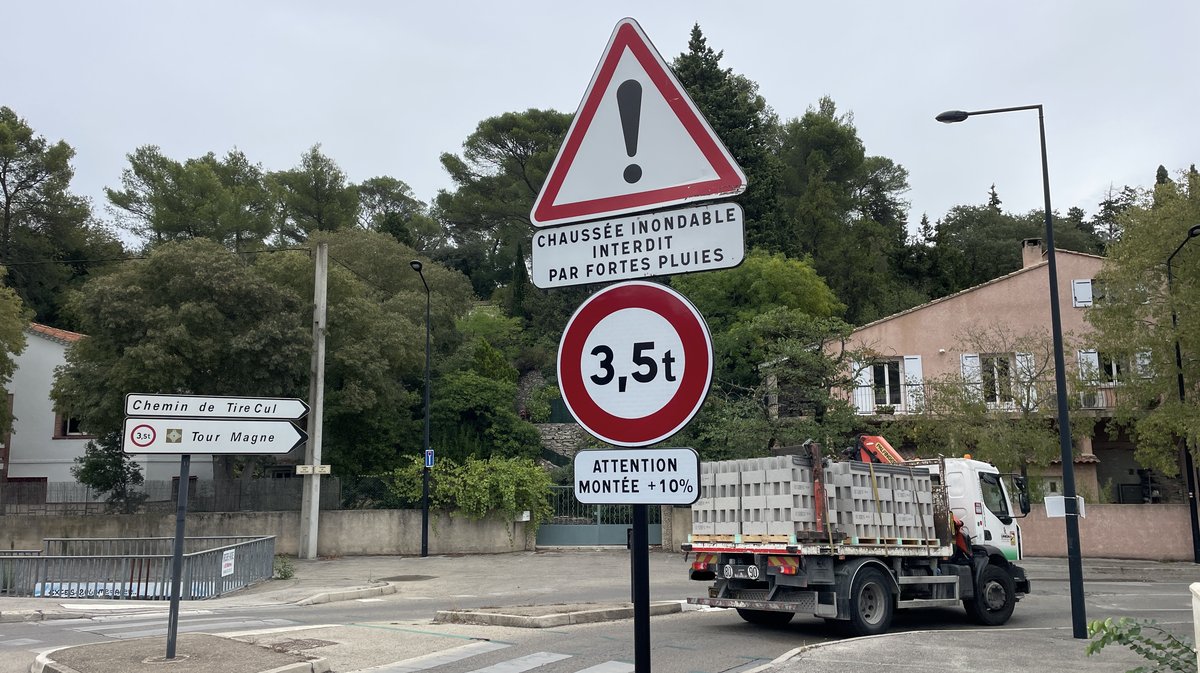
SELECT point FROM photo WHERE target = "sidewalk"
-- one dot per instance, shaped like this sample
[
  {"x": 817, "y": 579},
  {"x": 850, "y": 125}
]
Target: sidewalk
[{"x": 349, "y": 578}]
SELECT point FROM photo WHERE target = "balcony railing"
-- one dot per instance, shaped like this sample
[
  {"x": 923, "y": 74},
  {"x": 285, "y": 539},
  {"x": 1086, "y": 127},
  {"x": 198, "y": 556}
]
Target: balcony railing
[{"x": 1036, "y": 397}]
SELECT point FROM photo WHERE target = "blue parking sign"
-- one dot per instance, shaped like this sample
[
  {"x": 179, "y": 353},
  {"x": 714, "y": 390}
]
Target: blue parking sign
[{"x": 428, "y": 457}]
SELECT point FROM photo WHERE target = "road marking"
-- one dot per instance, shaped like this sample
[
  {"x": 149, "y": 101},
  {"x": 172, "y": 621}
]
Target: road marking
[
  {"x": 18, "y": 642},
  {"x": 428, "y": 661},
  {"x": 521, "y": 664},
  {"x": 281, "y": 629},
  {"x": 609, "y": 667},
  {"x": 369, "y": 600}
]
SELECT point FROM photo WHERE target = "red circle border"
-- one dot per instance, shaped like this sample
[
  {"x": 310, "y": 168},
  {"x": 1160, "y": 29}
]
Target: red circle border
[{"x": 697, "y": 375}]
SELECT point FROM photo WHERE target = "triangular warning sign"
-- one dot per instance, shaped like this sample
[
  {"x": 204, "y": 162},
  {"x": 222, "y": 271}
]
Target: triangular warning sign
[{"x": 637, "y": 142}]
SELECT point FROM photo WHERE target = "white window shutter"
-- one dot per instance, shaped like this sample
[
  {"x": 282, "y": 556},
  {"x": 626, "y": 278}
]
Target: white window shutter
[
  {"x": 1081, "y": 293},
  {"x": 914, "y": 383},
  {"x": 1089, "y": 366},
  {"x": 972, "y": 373},
  {"x": 1026, "y": 385},
  {"x": 864, "y": 397}
]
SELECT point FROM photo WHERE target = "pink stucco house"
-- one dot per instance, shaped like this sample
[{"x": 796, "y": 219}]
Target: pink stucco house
[{"x": 992, "y": 342}]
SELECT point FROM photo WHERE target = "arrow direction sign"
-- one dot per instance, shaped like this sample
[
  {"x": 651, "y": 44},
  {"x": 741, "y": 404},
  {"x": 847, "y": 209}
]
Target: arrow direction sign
[
  {"x": 202, "y": 406},
  {"x": 207, "y": 436}
]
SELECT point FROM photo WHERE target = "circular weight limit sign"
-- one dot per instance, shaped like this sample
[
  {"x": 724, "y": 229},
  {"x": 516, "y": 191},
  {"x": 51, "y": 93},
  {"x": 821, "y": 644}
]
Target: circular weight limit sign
[{"x": 635, "y": 363}]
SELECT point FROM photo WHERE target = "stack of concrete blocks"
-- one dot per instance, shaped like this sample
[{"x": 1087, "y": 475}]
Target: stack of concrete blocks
[
  {"x": 883, "y": 503},
  {"x": 867, "y": 503},
  {"x": 913, "y": 497},
  {"x": 716, "y": 512}
]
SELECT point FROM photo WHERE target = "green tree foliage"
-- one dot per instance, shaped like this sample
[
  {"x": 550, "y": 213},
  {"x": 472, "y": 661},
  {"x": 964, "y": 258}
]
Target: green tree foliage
[
  {"x": 1133, "y": 320},
  {"x": 44, "y": 229},
  {"x": 375, "y": 341},
  {"x": 975, "y": 244},
  {"x": 223, "y": 199},
  {"x": 110, "y": 472},
  {"x": 496, "y": 179},
  {"x": 730, "y": 300},
  {"x": 474, "y": 415},
  {"x": 746, "y": 125},
  {"x": 13, "y": 319},
  {"x": 843, "y": 209},
  {"x": 387, "y": 205},
  {"x": 192, "y": 318},
  {"x": 313, "y": 197}
]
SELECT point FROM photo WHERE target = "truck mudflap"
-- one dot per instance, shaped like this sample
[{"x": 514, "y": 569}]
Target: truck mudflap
[
  {"x": 804, "y": 603},
  {"x": 1020, "y": 581}
]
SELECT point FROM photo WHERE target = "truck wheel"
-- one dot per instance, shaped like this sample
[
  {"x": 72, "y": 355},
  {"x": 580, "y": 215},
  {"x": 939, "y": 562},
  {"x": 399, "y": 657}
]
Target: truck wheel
[
  {"x": 765, "y": 617},
  {"x": 994, "y": 598},
  {"x": 870, "y": 603}
]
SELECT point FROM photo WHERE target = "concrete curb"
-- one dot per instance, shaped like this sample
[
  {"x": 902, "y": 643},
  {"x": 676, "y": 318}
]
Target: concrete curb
[
  {"x": 45, "y": 663},
  {"x": 549, "y": 620},
  {"x": 39, "y": 615},
  {"x": 348, "y": 594}
]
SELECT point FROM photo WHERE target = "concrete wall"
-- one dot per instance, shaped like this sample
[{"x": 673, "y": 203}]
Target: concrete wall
[
  {"x": 1150, "y": 532},
  {"x": 342, "y": 532}
]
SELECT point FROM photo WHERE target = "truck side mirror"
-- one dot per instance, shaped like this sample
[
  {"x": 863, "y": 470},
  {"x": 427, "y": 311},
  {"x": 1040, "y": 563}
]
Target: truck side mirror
[{"x": 1022, "y": 485}]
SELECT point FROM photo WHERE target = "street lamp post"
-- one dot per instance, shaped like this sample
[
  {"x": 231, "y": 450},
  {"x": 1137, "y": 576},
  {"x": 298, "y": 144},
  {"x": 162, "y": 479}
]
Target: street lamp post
[
  {"x": 1074, "y": 558},
  {"x": 416, "y": 266},
  {"x": 1188, "y": 466}
]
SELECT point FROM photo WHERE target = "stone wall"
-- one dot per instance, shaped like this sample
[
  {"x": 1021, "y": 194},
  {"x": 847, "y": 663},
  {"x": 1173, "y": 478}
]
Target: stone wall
[
  {"x": 341, "y": 532},
  {"x": 564, "y": 439}
]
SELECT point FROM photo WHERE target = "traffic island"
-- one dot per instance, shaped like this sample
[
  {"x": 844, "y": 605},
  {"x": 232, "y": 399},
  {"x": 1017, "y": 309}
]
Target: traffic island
[
  {"x": 548, "y": 616},
  {"x": 195, "y": 653}
]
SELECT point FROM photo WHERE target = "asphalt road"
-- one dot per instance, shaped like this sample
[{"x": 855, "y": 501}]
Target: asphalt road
[{"x": 380, "y": 630}]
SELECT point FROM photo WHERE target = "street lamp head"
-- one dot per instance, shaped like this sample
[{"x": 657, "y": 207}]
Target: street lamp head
[
  {"x": 416, "y": 265},
  {"x": 1194, "y": 231},
  {"x": 953, "y": 116}
]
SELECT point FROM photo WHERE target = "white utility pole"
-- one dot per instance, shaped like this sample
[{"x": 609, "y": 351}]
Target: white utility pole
[{"x": 310, "y": 507}]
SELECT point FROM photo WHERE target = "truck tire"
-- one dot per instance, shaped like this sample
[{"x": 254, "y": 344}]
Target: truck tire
[
  {"x": 765, "y": 617},
  {"x": 995, "y": 597},
  {"x": 871, "y": 603}
]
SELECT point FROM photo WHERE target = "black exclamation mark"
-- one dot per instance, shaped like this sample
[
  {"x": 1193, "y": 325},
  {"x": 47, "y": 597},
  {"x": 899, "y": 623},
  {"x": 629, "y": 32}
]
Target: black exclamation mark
[{"x": 629, "y": 102}]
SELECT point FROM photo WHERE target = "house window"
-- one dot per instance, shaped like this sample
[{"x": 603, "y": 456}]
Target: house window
[
  {"x": 996, "y": 376},
  {"x": 67, "y": 426},
  {"x": 886, "y": 377}
]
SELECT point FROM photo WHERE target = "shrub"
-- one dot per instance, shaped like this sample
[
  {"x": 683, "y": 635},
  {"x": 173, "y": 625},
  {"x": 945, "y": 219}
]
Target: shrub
[
  {"x": 1147, "y": 638},
  {"x": 477, "y": 488}
]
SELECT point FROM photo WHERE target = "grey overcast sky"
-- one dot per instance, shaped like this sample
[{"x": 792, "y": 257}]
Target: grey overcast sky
[{"x": 386, "y": 87}]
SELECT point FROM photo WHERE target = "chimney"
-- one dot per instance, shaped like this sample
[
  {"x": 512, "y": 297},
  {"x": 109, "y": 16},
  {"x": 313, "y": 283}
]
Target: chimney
[{"x": 1031, "y": 252}]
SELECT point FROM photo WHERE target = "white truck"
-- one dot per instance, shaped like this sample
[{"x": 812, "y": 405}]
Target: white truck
[{"x": 854, "y": 541}]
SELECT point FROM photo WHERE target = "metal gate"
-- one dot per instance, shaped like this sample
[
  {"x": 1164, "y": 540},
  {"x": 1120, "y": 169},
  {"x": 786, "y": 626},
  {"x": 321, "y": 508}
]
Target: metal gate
[{"x": 577, "y": 524}]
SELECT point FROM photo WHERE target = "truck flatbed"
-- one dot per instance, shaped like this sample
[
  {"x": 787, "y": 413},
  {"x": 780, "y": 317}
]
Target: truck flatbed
[{"x": 732, "y": 545}]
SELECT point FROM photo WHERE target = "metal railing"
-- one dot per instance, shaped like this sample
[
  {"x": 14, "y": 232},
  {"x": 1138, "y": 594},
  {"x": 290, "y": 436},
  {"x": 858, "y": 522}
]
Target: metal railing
[
  {"x": 568, "y": 510},
  {"x": 1037, "y": 397},
  {"x": 255, "y": 495},
  {"x": 137, "y": 568}
]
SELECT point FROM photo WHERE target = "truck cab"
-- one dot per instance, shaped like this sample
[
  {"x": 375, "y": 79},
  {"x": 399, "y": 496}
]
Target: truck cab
[{"x": 978, "y": 496}]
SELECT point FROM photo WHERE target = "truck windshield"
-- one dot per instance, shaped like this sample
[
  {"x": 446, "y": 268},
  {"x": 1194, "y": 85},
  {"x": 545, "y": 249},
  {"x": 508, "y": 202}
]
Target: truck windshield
[{"x": 993, "y": 494}]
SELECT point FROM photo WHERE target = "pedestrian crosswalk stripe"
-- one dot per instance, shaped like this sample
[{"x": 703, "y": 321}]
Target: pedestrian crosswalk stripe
[
  {"x": 609, "y": 667},
  {"x": 19, "y": 642},
  {"x": 428, "y": 661},
  {"x": 521, "y": 664}
]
